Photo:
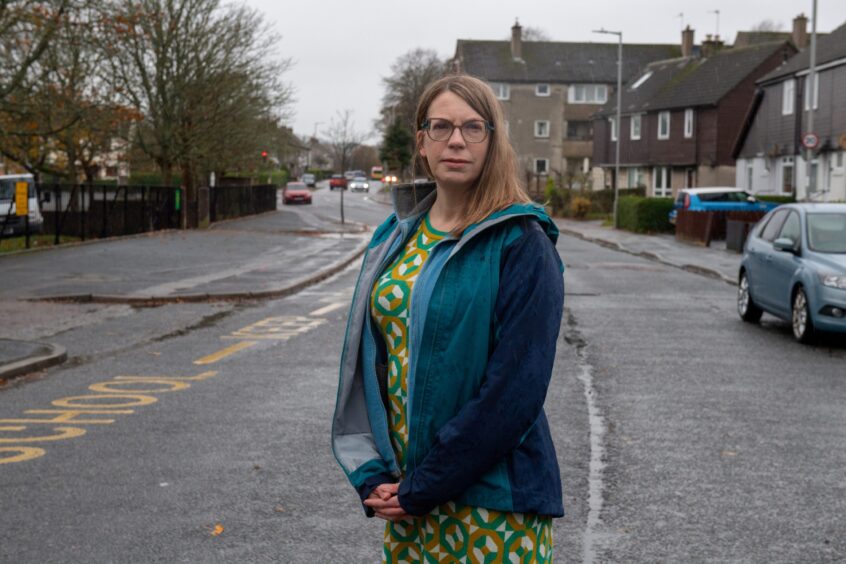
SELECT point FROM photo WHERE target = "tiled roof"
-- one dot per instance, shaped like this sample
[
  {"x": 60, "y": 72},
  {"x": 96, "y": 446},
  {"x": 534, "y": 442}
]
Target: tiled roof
[
  {"x": 829, "y": 48},
  {"x": 692, "y": 81},
  {"x": 556, "y": 62},
  {"x": 747, "y": 38}
]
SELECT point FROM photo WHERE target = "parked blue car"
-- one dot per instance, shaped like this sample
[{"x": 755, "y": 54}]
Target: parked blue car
[
  {"x": 717, "y": 199},
  {"x": 794, "y": 267}
]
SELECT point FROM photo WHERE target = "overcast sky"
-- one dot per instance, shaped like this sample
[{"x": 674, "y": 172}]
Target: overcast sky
[{"x": 341, "y": 49}]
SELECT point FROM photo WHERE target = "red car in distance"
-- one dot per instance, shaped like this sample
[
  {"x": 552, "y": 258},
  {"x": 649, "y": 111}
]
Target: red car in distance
[{"x": 296, "y": 193}]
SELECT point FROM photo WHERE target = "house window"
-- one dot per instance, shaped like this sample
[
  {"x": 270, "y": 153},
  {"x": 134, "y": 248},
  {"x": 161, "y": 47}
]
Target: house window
[
  {"x": 634, "y": 130},
  {"x": 542, "y": 128},
  {"x": 635, "y": 179},
  {"x": 750, "y": 176},
  {"x": 502, "y": 90},
  {"x": 814, "y": 180},
  {"x": 579, "y": 130},
  {"x": 661, "y": 182},
  {"x": 788, "y": 95},
  {"x": 587, "y": 94},
  {"x": 688, "y": 123},
  {"x": 664, "y": 125},
  {"x": 788, "y": 179},
  {"x": 613, "y": 123},
  {"x": 542, "y": 90},
  {"x": 816, "y": 92},
  {"x": 541, "y": 166},
  {"x": 839, "y": 160}
]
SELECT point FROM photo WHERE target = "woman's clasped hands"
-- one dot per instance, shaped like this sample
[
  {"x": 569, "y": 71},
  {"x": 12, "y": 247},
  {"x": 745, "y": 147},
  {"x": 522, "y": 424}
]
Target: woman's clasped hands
[{"x": 384, "y": 501}]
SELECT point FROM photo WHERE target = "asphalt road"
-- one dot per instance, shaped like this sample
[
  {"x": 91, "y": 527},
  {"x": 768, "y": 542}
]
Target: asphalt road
[{"x": 683, "y": 435}]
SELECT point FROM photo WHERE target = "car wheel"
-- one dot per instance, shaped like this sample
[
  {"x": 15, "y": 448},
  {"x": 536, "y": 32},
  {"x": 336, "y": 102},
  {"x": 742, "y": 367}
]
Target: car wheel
[
  {"x": 803, "y": 326},
  {"x": 746, "y": 308}
]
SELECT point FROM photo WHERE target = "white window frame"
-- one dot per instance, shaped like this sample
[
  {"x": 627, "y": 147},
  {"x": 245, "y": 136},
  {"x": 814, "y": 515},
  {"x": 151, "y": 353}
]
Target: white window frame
[
  {"x": 635, "y": 132},
  {"x": 612, "y": 123},
  {"x": 788, "y": 97},
  {"x": 545, "y": 166},
  {"x": 816, "y": 92},
  {"x": 539, "y": 125},
  {"x": 688, "y": 123},
  {"x": 578, "y": 94},
  {"x": 539, "y": 90},
  {"x": 661, "y": 118},
  {"x": 502, "y": 90},
  {"x": 666, "y": 189},
  {"x": 788, "y": 163}
]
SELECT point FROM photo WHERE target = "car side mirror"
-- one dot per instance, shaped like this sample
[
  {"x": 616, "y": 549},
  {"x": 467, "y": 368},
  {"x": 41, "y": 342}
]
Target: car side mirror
[{"x": 786, "y": 245}]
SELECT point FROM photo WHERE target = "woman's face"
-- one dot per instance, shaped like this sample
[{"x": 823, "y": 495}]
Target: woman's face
[{"x": 454, "y": 162}]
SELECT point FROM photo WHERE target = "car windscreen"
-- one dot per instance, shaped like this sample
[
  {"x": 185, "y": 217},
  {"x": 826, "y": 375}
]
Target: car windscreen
[
  {"x": 7, "y": 188},
  {"x": 827, "y": 232},
  {"x": 723, "y": 197}
]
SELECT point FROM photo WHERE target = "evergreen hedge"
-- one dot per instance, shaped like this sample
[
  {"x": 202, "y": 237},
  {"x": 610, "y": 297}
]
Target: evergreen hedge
[{"x": 644, "y": 215}]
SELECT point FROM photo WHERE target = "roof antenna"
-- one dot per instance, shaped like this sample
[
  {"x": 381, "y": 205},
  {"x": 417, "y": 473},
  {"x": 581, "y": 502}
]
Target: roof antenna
[{"x": 717, "y": 34}]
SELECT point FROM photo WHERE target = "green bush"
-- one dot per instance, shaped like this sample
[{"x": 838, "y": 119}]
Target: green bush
[
  {"x": 777, "y": 199},
  {"x": 644, "y": 215},
  {"x": 603, "y": 200},
  {"x": 557, "y": 198}
]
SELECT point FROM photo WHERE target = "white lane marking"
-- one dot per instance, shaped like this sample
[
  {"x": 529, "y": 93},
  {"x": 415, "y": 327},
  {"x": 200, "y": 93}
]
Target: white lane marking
[{"x": 326, "y": 309}]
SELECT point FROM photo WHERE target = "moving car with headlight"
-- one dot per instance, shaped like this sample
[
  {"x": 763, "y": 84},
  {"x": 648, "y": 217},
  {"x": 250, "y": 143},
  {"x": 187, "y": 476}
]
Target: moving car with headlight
[
  {"x": 359, "y": 184},
  {"x": 296, "y": 193},
  {"x": 794, "y": 267}
]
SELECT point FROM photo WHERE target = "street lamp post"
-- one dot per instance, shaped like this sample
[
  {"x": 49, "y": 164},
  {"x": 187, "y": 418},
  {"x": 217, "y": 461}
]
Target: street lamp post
[
  {"x": 809, "y": 101},
  {"x": 618, "y": 122}
]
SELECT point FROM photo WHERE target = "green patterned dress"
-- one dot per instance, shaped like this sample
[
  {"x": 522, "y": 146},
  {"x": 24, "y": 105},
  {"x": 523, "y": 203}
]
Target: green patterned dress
[{"x": 451, "y": 532}]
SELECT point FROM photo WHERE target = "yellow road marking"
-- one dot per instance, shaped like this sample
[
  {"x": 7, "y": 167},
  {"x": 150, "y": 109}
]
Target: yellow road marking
[
  {"x": 223, "y": 353},
  {"x": 327, "y": 309}
]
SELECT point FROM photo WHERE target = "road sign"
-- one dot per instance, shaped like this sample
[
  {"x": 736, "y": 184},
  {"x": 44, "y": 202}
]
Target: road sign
[
  {"x": 21, "y": 198},
  {"x": 810, "y": 140}
]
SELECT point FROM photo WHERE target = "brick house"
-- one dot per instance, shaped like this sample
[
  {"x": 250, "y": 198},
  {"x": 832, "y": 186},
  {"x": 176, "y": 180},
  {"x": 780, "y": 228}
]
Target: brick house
[
  {"x": 770, "y": 157},
  {"x": 681, "y": 117},
  {"x": 549, "y": 90}
]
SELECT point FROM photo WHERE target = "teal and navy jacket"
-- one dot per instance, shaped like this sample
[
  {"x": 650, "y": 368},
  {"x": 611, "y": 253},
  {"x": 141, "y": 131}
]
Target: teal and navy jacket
[{"x": 484, "y": 319}]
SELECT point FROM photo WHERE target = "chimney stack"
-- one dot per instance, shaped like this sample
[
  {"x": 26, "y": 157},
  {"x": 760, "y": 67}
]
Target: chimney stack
[
  {"x": 687, "y": 42},
  {"x": 517, "y": 41},
  {"x": 800, "y": 31},
  {"x": 711, "y": 45}
]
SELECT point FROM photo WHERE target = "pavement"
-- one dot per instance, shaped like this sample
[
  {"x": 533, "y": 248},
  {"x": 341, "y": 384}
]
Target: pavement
[{"x": 131, "y": 271}]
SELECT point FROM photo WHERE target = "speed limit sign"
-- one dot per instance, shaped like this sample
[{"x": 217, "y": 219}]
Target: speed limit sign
[{"x": 810, "y": 140}]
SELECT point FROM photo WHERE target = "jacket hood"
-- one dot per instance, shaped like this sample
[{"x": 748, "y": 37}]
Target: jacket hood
[{"x": 411, "y": 200}]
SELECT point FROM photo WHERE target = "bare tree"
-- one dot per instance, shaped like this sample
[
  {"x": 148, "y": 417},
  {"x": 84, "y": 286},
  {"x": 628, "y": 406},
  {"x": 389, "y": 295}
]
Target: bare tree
[
  {"x": 26, "y": 29},
  {"x": 343, "y": 139},
  {"x": 768, "y": 25},
  {"x": 202, "y": 74},
  {"x": 410, "y": 75}
]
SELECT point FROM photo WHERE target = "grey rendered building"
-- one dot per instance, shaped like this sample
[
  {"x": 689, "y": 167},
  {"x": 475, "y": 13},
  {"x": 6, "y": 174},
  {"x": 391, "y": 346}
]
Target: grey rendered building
[
  {"x": 549, "y": 91},
  {"x": 770, "y": 157}
]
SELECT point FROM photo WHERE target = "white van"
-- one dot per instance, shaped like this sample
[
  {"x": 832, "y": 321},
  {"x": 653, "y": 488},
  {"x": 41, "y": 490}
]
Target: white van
[{"x": 10, "y": 222}]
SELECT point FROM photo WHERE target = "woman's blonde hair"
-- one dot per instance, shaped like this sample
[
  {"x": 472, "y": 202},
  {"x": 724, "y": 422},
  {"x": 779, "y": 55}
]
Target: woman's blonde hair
[{"x": 498, "y": 185}]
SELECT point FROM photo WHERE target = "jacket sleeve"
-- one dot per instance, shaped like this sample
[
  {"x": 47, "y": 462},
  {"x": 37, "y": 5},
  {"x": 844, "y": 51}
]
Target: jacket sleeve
[{"x": 528, "y": 310}]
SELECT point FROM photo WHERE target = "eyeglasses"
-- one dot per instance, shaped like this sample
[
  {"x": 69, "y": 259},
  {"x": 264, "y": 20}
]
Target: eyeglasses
[{"x": 473, "y": 131}]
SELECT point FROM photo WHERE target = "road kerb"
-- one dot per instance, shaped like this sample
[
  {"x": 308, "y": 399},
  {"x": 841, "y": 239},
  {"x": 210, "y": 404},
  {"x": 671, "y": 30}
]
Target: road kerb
[{"x": 49, "y": 355}]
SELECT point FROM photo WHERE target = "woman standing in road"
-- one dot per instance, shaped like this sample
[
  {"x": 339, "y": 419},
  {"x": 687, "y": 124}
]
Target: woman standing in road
[{"x": 439, "y": 422}]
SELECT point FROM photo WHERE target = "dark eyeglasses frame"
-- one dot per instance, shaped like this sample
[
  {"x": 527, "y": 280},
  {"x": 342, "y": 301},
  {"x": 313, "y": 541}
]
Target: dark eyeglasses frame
[{"x": 427, "y": 123}]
